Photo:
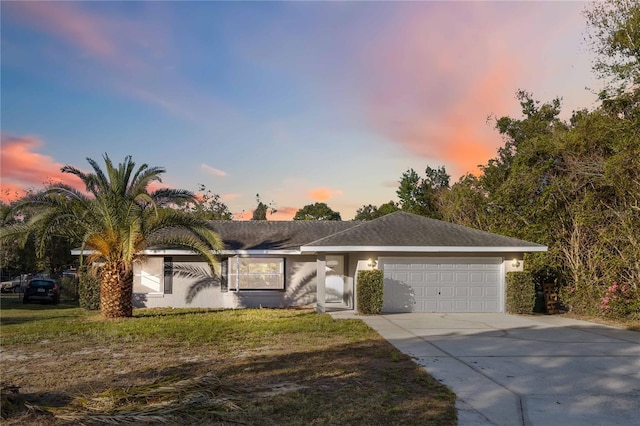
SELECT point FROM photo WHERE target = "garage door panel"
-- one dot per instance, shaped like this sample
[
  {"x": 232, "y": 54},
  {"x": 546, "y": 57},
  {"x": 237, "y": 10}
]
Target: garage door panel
[
  {"x": 476, "y": 291},
  {"x": 478, "y": 277},
  {"x": 416, "y": 277},
  {"x": 462, "y": 277},
  {"x": 431, "y": 291},
  {"x": 462, "y": 305},
  {"x": 401, "y": 276},
  {"x": 420, "y": 291},
  {"x": 491, "y": 291},
  {"x": 447, "y": 277},
  {"x": 444, "y": 285},
  {"x": 446, "y": 291},
  {"x": 475, "y": 306}
]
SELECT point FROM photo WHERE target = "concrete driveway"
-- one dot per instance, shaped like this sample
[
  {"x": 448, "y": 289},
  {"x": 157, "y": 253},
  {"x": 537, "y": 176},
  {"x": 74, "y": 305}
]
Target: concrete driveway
[{"x": 524, "y": 370}]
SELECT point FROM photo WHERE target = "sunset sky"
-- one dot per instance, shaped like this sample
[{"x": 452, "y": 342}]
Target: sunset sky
[{"x": 297, "y": 101}]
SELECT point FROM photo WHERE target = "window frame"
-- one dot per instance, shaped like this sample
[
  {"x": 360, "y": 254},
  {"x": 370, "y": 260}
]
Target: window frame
[
  {"x": 231, "y": 280},
  {"x": 150, "y": 270}
]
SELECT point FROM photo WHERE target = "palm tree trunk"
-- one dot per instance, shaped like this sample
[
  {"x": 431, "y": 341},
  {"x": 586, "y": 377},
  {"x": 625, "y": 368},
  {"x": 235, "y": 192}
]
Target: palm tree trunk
[{"x": 116, "y": 290}]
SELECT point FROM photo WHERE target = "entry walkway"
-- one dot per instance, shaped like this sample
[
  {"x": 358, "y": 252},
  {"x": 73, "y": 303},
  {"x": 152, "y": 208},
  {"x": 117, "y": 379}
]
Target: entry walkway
[{"x": 523, "y": 370}]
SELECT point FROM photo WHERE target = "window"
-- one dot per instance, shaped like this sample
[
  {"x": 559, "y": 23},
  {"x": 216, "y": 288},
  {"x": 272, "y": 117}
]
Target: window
[
  {"x": 252, "y": 273},
  {"x": 153, "y": 275},
  {"x": 147, "y": 275}
]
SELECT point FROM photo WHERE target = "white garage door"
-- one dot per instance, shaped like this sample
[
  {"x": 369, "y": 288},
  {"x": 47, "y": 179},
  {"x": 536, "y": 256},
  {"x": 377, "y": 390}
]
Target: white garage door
[{"x": 442, "y": 285}]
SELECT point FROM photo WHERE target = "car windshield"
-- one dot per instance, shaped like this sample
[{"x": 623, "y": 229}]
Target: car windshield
[{"x": 41, "y": 283}]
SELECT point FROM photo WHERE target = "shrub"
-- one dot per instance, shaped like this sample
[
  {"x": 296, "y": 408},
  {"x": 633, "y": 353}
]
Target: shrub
[
  {"x": 69, "y": 287},
  {"x": 370, "y": 292},
  {"x": 521, "y": 292},
  {"x": 89, "y": 288},
  {"x": 581, "y": 298},
  {"x": 621, "y": 301}
]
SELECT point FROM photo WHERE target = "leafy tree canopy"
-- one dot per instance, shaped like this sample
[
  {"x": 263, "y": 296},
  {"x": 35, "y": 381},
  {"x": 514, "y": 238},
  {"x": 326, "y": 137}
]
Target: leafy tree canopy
[
  {"x": 316, "y": 211},
  {"x": 419, "y": 195},
  {"x": 370, "y": 212},
  {"x": 614, "y": 35},
  {"x": 208, "y": 206}
]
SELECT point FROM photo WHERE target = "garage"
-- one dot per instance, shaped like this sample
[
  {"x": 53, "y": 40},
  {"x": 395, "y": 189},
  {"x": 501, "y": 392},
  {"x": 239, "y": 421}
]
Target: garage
[{"x": 442, "y": 284}]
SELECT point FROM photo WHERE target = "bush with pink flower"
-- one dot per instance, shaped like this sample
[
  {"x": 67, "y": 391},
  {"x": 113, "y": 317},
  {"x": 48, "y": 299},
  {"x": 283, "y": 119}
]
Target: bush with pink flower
[{"x": 621, "y": 301}]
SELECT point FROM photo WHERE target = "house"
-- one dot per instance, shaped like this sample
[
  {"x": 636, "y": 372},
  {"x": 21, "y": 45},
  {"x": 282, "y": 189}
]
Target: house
[{"x": 429, "y": 266}]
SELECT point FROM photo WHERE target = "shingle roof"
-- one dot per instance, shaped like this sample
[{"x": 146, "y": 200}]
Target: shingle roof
[
  {"x": 275, "y": 235},
  {"x": 401, "y": 229}
]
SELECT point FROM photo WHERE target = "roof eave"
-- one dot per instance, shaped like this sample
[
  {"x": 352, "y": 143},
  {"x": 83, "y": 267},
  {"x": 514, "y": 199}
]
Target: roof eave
[
  {"x": 183, "y": 252},
  {"x": 424, "y": 249}
]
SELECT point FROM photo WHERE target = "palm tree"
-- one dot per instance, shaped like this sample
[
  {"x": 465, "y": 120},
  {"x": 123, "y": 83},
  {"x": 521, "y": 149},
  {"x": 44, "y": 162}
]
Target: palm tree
[{"x": 115, "y": 222}]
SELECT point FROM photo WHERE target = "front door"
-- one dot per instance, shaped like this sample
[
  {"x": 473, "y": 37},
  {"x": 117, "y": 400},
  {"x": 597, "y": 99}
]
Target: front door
[{"x": 335, "y": 279}]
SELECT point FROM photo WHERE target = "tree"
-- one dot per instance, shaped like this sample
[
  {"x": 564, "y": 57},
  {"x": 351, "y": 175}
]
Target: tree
[
  {"x": 573, "y": 186},
  {"x": 370, "y": 212},
  {"x": 208, "y": 206},
  {"x": 18, "y": 255},
  {"x": 115, "y": 222},
  {"x": 316, "y": 211},
  {"x": 614, "y": 35},
  {"x": 466, "y": 203},
  {"x": 260, "y": 213},
  {"x": 422, "y": 195}
]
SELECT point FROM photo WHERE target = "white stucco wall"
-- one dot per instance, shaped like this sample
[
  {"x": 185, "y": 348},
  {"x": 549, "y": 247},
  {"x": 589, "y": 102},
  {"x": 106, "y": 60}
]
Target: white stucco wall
[{"x": 201, "y": 291}]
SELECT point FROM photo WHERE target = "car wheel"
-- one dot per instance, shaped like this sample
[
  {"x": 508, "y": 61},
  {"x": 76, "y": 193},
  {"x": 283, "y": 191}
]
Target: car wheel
[{"x": 56, "y": 300}]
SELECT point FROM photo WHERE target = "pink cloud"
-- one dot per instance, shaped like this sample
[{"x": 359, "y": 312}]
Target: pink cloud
[
  {"x": 282, "y": 213},
  {"x": 71, "y": 23},
  {"x": 437, "y": 73},
  {"x": 230, "y": 196},
  {"x": 23, "y": 168},
  {"x": 324, "y": 194}
]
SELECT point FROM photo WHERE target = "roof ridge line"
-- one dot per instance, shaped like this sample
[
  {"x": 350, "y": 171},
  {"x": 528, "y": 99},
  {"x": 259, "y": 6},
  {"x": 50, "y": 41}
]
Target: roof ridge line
[{"x": 362, "y": 222}]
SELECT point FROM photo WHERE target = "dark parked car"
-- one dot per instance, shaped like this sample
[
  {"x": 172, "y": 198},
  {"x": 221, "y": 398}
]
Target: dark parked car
[{"x": 42, "y": 289}]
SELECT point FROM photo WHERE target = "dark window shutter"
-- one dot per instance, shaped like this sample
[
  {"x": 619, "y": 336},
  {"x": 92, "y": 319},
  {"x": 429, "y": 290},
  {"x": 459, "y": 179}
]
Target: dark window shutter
[
  {"x": 168, "y": 275},
  {"x": 224, "y": 275}
]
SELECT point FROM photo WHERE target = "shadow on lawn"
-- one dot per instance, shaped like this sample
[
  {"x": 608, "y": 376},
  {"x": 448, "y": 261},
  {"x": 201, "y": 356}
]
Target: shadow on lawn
[
  {"x": 33, "y": 311},
  {"x": 366, "y": 382}
]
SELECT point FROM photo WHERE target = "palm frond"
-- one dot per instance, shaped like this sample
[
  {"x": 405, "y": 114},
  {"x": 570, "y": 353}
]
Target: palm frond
[{"x": 166, "y": 401}]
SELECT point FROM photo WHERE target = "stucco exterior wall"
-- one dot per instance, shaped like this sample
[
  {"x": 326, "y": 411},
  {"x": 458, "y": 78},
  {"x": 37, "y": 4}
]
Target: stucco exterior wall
[{"x": 193, "y": 287}]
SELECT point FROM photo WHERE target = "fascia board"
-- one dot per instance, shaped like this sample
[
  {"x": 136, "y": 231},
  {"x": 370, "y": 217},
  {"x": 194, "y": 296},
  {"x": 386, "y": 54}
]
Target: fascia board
[
  {"x": 181, "y": 252},
  {"x": 423, "y": 249},
  {"x": 178, "y": 252},
  {"x": 258, "y": 252}
]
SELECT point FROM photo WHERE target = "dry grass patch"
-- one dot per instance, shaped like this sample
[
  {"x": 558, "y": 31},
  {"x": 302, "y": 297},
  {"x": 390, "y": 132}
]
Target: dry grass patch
[{"x": 271, "y": 367}]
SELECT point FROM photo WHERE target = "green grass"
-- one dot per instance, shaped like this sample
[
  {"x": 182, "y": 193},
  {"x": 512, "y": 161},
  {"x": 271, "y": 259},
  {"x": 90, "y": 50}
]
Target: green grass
[{"x": 195, "y": 366}]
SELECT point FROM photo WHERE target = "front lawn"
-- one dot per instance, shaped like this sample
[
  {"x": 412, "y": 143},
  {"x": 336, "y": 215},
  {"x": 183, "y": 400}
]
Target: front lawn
[{"x": 61, "y": 365}]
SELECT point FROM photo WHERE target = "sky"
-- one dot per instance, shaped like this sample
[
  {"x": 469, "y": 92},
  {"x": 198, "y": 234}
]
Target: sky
[{"x": 300, "y": 102}]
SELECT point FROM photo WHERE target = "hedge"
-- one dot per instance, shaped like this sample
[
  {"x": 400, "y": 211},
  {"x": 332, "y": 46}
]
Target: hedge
[
  {"x": 89, "y": 288},
  {"x": 521, "y": 292},
  {"x": 370, "y": 292}
]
